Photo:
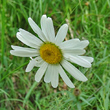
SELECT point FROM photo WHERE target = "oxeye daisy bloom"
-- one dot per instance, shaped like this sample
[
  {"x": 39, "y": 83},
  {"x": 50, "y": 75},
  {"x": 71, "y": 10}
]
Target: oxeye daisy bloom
[{"x": 51, "y": 53}]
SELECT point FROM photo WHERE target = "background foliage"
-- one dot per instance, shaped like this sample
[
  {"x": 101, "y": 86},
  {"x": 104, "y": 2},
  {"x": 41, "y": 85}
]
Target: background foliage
[{"x": 87, "y": 20}]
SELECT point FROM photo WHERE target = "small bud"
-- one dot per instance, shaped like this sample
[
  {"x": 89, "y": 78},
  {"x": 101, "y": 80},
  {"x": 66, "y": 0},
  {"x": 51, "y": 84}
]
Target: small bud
[
  {"x": 76, "y": 92},
  {"x": 64, "y": 86},
  {"x": 87, "y": 3}
]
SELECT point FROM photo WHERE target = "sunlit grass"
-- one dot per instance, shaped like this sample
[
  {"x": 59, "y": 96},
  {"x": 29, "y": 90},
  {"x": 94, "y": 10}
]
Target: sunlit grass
[{"x": 87, "y": 20}]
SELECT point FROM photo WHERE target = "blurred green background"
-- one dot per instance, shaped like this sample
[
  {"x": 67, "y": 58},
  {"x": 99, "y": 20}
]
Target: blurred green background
[{"x": 87, "y": 19}]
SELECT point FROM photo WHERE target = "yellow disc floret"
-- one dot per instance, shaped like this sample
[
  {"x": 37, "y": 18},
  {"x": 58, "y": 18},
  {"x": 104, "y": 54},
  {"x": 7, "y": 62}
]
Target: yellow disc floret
[{"x": 50, "y": 53}]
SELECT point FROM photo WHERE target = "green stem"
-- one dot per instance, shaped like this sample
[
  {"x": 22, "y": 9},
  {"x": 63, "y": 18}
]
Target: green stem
[
  {"x": 29, "y": 92},
  {"x": 13, "y": 71},
  {"x": 3, "y": 31}
]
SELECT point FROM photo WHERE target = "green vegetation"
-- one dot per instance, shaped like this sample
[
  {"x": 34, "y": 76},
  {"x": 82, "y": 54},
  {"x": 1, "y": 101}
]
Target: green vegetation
[{"x": 88, "y": 20}]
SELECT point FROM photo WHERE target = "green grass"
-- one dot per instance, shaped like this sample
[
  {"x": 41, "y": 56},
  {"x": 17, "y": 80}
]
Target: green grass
[{"x": 18, "y": 89}]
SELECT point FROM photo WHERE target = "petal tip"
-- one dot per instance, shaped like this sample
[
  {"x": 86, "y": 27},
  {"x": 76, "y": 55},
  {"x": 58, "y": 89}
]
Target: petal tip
[
  {"x": 84, "y": 80},
  {"x": 88, "y": 41},
  {"x": 49, "y": 18},
  {"x": 29, "y": 18},
  {"x": 12, "y": 46},
  {"x": 92, "y": 59},
  {"x": 37, "y": 80},
  {"x": 72, "y": 86},
  {"x": 66, "y": 25},
  {"x": 11, "y": 51},
  {"x": 27, "y": 70},
  {"x": 44, "y": 16},
  {"x": 20, "y": 29},
  {"x": 17, "y": 33},
  {"x": 54, "y": 86}
]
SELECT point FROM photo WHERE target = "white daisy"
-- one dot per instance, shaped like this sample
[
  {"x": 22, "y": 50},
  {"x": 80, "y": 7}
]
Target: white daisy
[{"x": 51, "y": 54}]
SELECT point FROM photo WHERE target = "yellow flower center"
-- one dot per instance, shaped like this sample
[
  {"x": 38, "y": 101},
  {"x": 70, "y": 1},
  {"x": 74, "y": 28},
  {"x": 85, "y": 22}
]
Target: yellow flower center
[{"x": 50, "y": 53}]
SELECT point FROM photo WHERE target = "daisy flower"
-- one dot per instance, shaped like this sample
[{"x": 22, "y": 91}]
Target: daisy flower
[{"x": 51, "y": 54}]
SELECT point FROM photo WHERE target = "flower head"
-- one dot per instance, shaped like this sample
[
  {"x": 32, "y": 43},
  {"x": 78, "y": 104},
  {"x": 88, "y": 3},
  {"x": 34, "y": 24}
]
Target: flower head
[{"x": 51, "y": 54}]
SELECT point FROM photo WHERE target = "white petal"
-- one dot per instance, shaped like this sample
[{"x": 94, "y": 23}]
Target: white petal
[
  {"x": 36, "y": 29},
  {"x": 65, "y": 77},
  {"x": 23, "y": 48},
  {"x": 30, "y": 37},
  {"x": 30, "y": 66},
  {"x": 50, "y": 30},
  {"x": 41, "y": 71},
  {"x": 69, "y": 43},
  {"x": 74, "y": 43},
  {"x": 61, "y": 34},
  {"x": 25, "y": 41},
  {"x": 90, "y": 59},
  {"x": 48, "y": 74},
  {"x": 47, "y": 28},
  {"x": 73, "y": 71},
  {"x": 55, "y": 76},
  {"x": 24, "y": 53},
  {"x": 39, "y": 61},
  {"x": 82, "y": 44},
  {"x": 73, "y": 51},
  {"x": 78, "y": 60},
  {"x": 44, "y": 26}
]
